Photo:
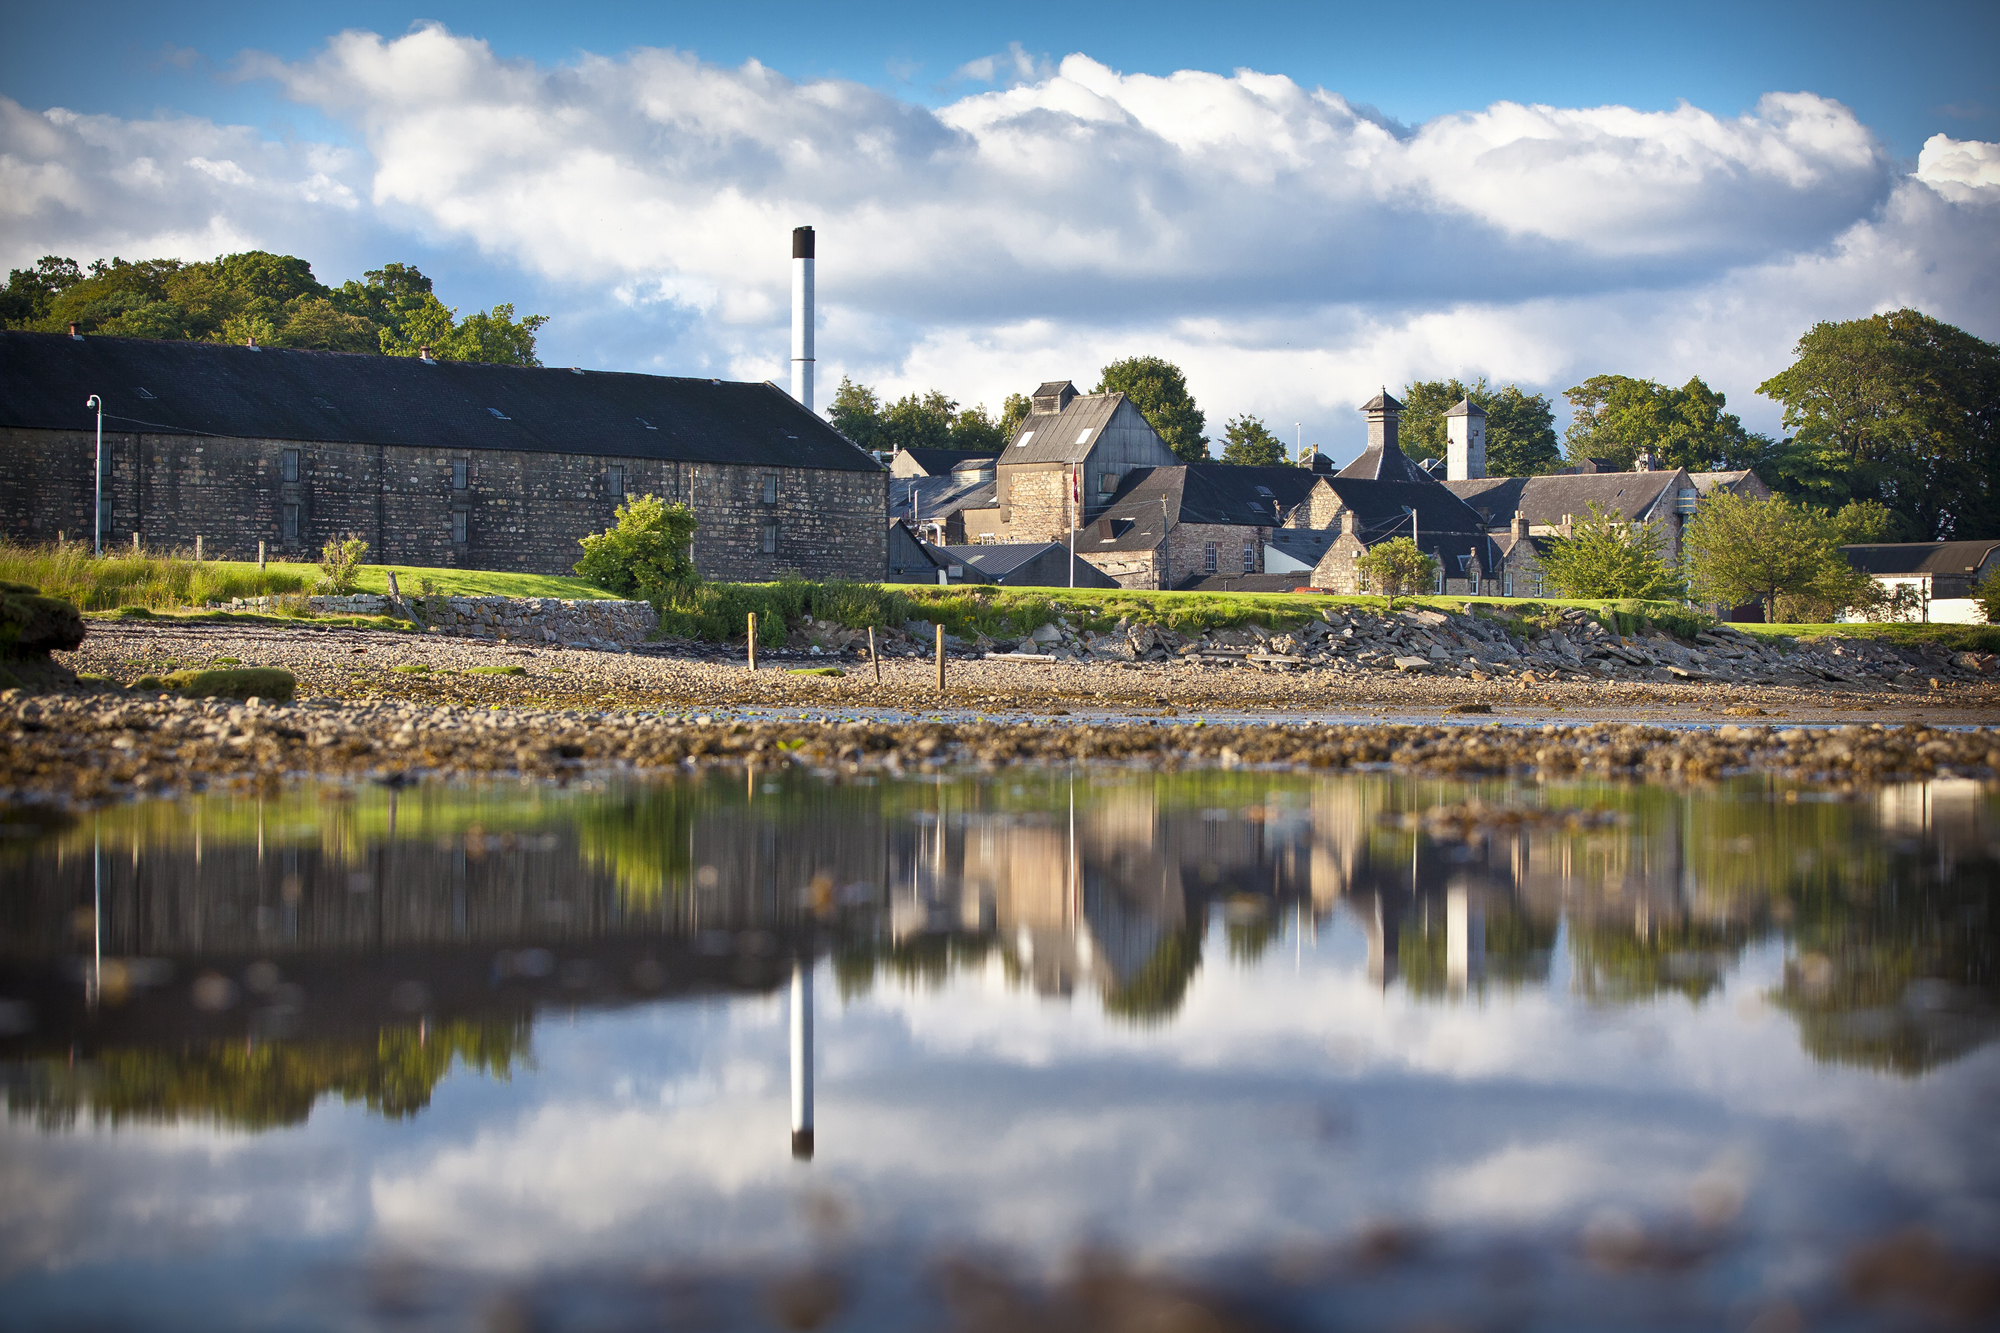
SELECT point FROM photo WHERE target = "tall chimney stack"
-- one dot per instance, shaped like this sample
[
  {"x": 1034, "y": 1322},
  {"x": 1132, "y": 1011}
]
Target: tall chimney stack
[{"x": 802, "y": 315}]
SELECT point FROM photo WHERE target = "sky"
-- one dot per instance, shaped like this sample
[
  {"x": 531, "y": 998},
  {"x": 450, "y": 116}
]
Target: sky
[{"x": 1296, "y": 203}]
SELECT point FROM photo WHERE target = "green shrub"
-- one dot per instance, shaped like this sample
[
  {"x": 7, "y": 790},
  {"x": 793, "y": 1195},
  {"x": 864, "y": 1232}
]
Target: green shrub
[
  {"x": 1397, "y": 568},
  {"x": 646, "y": 555},
  {"x": 340, "y": 562},
  {"x": 1987, "y": 594}
]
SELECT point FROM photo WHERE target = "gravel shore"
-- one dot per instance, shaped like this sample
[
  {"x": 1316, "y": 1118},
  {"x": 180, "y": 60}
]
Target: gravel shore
[
  {"x": 365, "y": 665},
  {"x": 87, "y": 748}
]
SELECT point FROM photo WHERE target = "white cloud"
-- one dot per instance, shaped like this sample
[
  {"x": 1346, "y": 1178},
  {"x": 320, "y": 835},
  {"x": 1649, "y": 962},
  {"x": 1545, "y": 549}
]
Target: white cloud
[{"x": 1290, "y": 249}]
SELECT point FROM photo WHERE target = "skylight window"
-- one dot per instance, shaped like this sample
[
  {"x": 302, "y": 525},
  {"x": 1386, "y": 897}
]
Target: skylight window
[
  {"x": 1024, "y": 440},
  {"x": 144, "y": 393},
  {"x": 499, "y": 414},
  {"x": 1083, "y": 437},
  {"x": 647, "y": 424}
]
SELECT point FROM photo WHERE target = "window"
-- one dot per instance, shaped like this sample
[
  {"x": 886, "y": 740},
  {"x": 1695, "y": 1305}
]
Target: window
[
  {"x": 1107, "y": 482},
  {"x": 104, "y": 515},
  {"x": 770, "y": 490},
  {"x": 1211, "y": 554},
  {"x": 498, "y": 415},
  {"x": 1440, "y": 576},
  {"x": 1083, "y": 437},
  {"x": 770, "y": 539},
  {"x": 614, "y": 482},
  {"x": 1506, "y": 583},
  {"x": 288, "y": 465},
  {"x": 1249, "y": 558},
  {"x": 461, "y": 473},
  {"x": 459, "y": 524},
  {"x": 290, "y": 527},
  {"x": 1022, "y": 443}
]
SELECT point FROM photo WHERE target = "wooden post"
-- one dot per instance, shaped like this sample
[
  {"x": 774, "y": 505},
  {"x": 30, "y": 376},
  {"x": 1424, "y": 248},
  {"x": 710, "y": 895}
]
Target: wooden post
[
  {"x": 753, "y": 640},
  {"x": 940, "y": 643},
  {"x": 135, "y": 544},
  {"x": 197, "y": 550},
  {"x": 260, "y": 557},
  {"x": 874, "y": 656}
]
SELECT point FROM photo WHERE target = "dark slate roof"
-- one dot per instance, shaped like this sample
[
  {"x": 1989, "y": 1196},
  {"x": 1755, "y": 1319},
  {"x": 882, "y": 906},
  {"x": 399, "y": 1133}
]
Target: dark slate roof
[
  {"x": 196, "y": 388},
  {"x": 1228, "y": 493},
  {"x": 1385, "y": 464},
  {"x": 1065, "y": 436},
  {"x": 1465, "y": 407},
  {"x": 938, "y": 497},
  {"x": 1544, "y": 500},
  {"x": 1305, "y": 544},
  {"x": 1001, "y": 559},
  {"x": 1911, "y": 559},
  {"x": 1382, "y": 508},
  {"x": 938, "y": 462},
  {"x": 1382, "y": 402}
]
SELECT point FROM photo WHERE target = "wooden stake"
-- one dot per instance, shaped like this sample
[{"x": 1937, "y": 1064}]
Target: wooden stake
[
  {"x": 197, "y": 550},
  {"x": 940, "y": 643},
  {"x": 874, "y": 656},
  {"x": 753, "y": 640},
  {"x": 135, "y": 543},
  {"x": 260, "y": 557}
]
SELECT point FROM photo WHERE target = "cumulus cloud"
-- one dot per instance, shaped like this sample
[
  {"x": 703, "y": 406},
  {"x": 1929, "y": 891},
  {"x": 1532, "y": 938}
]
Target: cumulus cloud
[{"x": 1291, "y": 249}]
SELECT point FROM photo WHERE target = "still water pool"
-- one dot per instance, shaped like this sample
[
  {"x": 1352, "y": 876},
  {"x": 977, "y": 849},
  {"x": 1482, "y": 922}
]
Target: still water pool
[{"x": 1064, "y": 1050}]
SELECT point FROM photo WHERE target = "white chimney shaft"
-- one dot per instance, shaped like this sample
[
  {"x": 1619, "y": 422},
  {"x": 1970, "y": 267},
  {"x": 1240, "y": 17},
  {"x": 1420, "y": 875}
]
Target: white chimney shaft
[{"x": 802, "y": 315}]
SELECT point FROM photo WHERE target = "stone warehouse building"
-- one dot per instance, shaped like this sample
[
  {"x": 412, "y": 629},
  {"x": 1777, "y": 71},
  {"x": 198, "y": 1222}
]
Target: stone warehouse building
[{"x": 432, "y": 463}]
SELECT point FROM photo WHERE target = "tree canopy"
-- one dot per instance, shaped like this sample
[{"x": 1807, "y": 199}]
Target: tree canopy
[
  {"x": 1737, "y": 549},
  {"x": 929, "y": 420},
  {"x": 1604, "y": 556},
  {"x": 272, "y": 298},
  {"x": 1520, "y": 426},
  {"x": 1902, "y": 409},
  {"x": 1248, "y": 441},
  {"x": 1159, "y": 390},
  {"x": 1396, "y": 568},
  {"x": 1619, "y": 417}
]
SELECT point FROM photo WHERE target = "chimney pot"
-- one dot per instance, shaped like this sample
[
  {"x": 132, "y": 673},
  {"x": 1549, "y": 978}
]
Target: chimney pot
[
  {"x": 1520, "y": 524},
  {"x": 73, "y": 333},
  {"x": 423, "y": 354}
]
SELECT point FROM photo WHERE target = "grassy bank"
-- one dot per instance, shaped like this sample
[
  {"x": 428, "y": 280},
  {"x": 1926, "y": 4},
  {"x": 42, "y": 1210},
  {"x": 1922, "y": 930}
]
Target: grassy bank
[
  {"x": 153, "y": 581},
  {"x": 1958, "y": 638},
  {"x": 163, "y": 582}
]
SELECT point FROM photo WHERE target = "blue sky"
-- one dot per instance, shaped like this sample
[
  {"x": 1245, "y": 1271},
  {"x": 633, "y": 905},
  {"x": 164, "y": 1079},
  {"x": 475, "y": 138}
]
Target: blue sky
[{"x": 1370, "y": 199}]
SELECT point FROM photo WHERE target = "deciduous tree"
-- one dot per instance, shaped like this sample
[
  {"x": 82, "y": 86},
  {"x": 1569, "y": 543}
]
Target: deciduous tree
[
  {"x": 1618, "y": 417},
  {"x": 1396, "y": 568},
  {"x": 1249, "y": 442},
  {"x": 1520, "y": 427},
  {"x": 1604, "y": 556},
  {"x": 1159, "y": 390},
  {"x": 646, "y": 554},
  {"x": 1902, "y": 409},
  {"x": 1737, "y": 549}
]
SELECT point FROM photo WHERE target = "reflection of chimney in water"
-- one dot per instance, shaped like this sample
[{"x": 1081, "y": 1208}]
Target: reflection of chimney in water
[
  {"x": 1383, "y": 942},
  {"x": 1464, "y": 940},
  {"x": 802, "y": 1060}
]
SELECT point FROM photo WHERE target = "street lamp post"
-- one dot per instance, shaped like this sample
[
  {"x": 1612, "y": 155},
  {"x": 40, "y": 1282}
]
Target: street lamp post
[{"x": 97, "y": 493}]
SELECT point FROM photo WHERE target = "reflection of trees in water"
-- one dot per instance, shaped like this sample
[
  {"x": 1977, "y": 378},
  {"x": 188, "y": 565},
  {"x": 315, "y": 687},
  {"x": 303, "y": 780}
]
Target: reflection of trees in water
[
  {"x": 1154, "y": 993},
  {"x": 1622, "y": 965},
  {"x": 1518, "y": 949},
  {"x": 1897, "y": 972},
  {"x": 922, "y": 960},
  {"x": 1251, "y": 926},
  {"x": 264, "y": 1085}
]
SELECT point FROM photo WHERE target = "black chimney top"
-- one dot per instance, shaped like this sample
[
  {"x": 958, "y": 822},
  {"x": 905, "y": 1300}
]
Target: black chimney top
[{"x": 802, "y": 242}]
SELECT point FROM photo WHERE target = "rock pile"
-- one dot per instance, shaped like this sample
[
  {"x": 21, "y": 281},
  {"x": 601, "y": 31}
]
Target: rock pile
[{"x": 1572, "y": 645}]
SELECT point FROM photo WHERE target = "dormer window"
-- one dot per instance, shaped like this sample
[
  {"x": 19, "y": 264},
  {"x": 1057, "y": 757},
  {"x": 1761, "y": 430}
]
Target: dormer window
[{"x": 1107, "y": 483}]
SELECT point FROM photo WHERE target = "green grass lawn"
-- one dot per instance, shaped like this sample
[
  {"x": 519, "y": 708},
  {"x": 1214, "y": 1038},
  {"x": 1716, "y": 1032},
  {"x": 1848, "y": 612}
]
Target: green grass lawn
[{"x": 1958, "y": 638}]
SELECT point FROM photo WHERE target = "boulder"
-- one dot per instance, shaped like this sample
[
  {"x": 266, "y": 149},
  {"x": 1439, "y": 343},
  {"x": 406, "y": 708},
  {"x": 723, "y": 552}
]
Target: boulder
[{"x": 33, "y": 626}]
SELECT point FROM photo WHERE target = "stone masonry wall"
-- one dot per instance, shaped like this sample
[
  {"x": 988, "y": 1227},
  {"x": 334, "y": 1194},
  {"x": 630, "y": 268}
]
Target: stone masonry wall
[
  {"x": 529, "y": 619},
  {"x": 521, "y": 511},
  {"x": 1187, "y": 548},
  {"x": 1035, "y": 502}
]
